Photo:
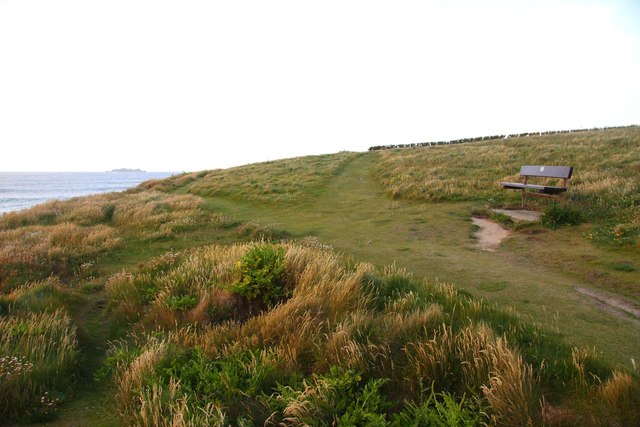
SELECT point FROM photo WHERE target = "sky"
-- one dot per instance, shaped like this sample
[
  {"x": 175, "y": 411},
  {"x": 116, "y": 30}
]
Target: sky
[{"x": 92, "y": 85}]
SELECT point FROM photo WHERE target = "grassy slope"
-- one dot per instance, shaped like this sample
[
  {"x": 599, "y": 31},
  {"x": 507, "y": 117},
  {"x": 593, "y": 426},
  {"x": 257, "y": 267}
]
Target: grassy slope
[
  {"x": 605, "y": 186},
  {"x": 432, "y": 240},
  {"x": 351, "y": 212}
]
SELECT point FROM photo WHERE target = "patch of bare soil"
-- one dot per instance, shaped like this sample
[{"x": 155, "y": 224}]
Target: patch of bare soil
[
  {"x": 490, "y": 234},
  {"x": 521, "y": 214},
  {"x": 614, "y": 301}
]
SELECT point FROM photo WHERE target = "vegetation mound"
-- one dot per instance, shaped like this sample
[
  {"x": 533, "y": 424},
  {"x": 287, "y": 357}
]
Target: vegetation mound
[{"x": 347, "y": 346}]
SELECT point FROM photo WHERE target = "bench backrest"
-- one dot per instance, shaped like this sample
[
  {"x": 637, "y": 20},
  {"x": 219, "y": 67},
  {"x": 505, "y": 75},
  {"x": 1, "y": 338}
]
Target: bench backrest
[{"x": 547, "y": 171}]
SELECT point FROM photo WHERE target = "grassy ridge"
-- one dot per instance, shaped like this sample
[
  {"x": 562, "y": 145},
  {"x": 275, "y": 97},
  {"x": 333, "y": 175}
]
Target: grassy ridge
[{"x": 281, "y": 181}]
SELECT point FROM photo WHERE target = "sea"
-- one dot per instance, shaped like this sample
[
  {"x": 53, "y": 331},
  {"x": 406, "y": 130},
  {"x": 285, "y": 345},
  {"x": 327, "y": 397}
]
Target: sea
[{"x": 20, "y": 190}]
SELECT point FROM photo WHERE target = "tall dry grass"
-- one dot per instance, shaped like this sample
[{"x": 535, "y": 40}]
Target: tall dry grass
[
  {"x": 39, "y": 250},
  {"x": 167, "y": 406},
  {"x": 133, "y": 208},
  {"x": 511, "y": 389},
  {"x": 416, "y": 336},
  {"x": 620, "y": 395},
  {"x": 131, "y": 378},
  {"x": 141, "y": 401},
  {"x": 38, "y": 355},
  {"x": 58, "y": 237}
]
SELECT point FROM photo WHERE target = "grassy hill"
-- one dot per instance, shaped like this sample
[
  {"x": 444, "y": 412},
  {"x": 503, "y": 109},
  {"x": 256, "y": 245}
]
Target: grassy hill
[{"x": 339, "y": 289}]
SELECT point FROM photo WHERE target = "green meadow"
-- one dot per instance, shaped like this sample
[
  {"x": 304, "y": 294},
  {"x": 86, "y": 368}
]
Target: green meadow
[{"x": 342, "y": 289}]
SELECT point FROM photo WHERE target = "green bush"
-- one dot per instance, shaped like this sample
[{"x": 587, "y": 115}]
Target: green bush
[
  {"x": 107, "y": 212},
  {"x": 442, "y": 410},
  {"x": 181, "y": 302},
  {"x": 556, "y": 216},
  {"x": 120, "y": 354},
  {"x": 227, "y": 381},
  {"x": 340, "y": 397},
  {"x": 261, "y": 275}
]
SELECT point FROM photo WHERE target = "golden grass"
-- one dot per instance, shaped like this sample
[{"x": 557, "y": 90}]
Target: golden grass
[
  {"x": 511, "y": 390},
  {"x": 142, "y": 402},
  {"x": 131, "y": 378},
  {"x": 58, "y": 237},
  {"x": 166, "y": 406},
  {"x": 153, "y": 213},
  {"x": 52, "y": 249},
  {"x": 618, "y": 390}
]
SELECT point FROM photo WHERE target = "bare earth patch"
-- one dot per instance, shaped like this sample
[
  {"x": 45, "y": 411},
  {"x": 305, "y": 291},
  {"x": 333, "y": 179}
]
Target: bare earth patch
[
  {"x": 490, "y": 234},
  {"x": 520, "y": 214},
  {"x": 612, "y": 301}
]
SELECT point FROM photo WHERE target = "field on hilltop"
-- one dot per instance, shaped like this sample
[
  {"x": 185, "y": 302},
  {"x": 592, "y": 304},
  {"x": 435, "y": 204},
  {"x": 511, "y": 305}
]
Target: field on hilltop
[{"x": 340, "y": 289}]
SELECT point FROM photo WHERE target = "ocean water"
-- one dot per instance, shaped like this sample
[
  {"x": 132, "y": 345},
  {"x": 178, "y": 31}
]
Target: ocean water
[{"x": 20, "y": 190}]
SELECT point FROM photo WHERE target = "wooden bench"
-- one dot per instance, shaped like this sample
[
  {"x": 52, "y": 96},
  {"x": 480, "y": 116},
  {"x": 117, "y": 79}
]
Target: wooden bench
[{"x": 558, "y": 192}]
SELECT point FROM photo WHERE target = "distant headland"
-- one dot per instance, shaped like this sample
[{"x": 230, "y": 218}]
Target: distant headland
[{"x": 126, "y": 170}]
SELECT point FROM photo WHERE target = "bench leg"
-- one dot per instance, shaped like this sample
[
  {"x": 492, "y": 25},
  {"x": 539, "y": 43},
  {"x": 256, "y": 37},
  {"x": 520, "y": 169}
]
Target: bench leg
[{"x": 524, "y": 199}]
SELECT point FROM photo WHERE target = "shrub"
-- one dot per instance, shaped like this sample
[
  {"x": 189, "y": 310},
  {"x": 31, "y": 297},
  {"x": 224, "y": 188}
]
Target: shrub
[
  {"x": 442, "y": 409},
  {"x": 261, "y": 274},
  {"x": 108, "y": 211},
  {"x": 159, "y": 380},
  {"x": 339, "y": 397},
  {"x": 556, "y": 216},
  {"x": 181, "y": 302},
  {"x": 384, "y": 334},
  {"x": 225, "y": 381}
]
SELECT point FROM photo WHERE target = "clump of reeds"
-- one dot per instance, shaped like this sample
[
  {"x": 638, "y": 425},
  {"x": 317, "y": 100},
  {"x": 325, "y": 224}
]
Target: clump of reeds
[{"x": 132, "y": 377}]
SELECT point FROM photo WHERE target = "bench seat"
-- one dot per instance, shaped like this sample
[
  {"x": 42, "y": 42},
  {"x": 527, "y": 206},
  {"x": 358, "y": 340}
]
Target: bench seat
[
  {"x": 544, "y": 189},
  {"x": 540, "y": 171}
]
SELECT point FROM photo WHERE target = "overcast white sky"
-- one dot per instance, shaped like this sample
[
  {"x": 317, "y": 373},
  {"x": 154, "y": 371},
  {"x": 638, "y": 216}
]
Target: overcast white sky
[{"x": 188, "y": 85}]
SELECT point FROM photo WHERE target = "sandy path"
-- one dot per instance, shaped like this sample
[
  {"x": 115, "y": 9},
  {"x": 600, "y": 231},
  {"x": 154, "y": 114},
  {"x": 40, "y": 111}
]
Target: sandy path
[{"x": 490, "y": 234}]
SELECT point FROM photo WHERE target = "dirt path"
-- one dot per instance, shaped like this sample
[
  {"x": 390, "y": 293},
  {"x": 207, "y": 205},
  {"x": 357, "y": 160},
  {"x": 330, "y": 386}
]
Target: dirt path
[
  {"x": 490, "y": 234},
  {"x": 614, "y": 301}
]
